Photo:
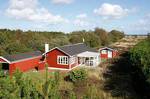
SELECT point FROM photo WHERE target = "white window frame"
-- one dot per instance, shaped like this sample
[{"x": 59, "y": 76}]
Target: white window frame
[
  {"x": 62, "y": 60},
  {"x": 104, "y": 51}
]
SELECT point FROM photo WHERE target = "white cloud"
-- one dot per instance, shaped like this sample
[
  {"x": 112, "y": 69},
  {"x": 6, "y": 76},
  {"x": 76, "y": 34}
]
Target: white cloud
[
  {"x": 62, "y": 1},
  {"x": 81, "y": 20},
  {"x": 83, "y": 15},
  {"x": 31, "y": 11},
  {"x": 111, "y": 11}
]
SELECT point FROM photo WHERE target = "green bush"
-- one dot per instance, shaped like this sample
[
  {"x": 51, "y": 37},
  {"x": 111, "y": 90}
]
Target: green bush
[
  {"x": 140, "y": 56},
  {"x": 77, "y": 75},
  {"x": 115, "y": 35}
]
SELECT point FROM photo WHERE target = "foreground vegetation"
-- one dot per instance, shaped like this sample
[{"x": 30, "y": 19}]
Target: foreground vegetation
[
  {"x": 74, "y": 85},
  {"x": 140, "y": 57}
]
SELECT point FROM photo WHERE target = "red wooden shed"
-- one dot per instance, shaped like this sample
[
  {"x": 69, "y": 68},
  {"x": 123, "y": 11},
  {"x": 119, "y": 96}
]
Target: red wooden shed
[
  {"x": 107, "y": 52},
  {"x": 23, "y": 62}
]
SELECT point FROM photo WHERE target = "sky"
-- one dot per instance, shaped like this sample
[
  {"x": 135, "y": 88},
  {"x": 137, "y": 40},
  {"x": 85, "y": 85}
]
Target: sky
[{"x": 130, "y": 16}]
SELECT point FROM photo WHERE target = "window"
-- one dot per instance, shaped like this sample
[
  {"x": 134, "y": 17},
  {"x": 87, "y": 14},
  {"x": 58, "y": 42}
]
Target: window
[
  {"x": 104, "y": 51},
  {"x": 63, "y": 60}
]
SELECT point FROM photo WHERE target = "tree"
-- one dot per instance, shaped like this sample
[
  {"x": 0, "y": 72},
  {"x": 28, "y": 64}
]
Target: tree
[
  {"x": 115, "y": 35},
  {"x": 92, "y": 40},
  {"x": 103, "y": 35},
  {"x": 77, "y": 36},
  {"x": 16, "y": 47}
]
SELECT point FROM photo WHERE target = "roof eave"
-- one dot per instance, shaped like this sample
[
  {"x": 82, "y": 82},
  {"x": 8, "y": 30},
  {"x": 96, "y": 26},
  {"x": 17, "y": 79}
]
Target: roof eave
[{"x": 5, "y": 59}]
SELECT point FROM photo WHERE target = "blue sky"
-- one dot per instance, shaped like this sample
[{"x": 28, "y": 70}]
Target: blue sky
[{"x": 130, "y": 16}]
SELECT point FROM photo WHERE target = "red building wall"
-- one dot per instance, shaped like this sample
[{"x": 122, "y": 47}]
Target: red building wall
[
  {"x": 103, "y": 55},
  {"x": 52, "y": 59},
  {"x": 41, "y": 65},
  {"x": 25, "y": 65},
  {"x": 114, "y": 54}
]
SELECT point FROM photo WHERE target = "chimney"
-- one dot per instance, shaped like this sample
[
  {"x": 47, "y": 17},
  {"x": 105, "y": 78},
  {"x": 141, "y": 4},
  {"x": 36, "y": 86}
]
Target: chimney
[{"x": 46, "y": 48}]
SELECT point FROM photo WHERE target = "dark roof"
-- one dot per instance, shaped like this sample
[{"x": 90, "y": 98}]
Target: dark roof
[
  {"x": 109, "y": 48},
  {"x": 76, "y": 49},
  {"x": 22, "y": 56}
]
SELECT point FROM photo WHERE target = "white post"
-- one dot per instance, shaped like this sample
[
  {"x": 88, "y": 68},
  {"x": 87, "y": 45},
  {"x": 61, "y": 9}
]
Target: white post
[{"x": 46, "y": 65}]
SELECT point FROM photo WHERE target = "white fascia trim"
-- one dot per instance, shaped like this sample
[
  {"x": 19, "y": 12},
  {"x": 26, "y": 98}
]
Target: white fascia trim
[
  {"x": 58, "y": 49},
  {"x": 5, "y": 59}
]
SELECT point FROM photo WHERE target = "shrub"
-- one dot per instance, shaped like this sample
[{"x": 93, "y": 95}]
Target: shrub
[{"x": 77, "y": 75}]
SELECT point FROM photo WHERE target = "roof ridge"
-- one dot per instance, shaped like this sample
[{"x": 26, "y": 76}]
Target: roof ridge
[{"x": 72, "y": 44}]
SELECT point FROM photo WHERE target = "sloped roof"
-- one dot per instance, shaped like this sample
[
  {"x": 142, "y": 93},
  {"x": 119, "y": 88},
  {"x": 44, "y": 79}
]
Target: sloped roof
[
  {"x": 109, "y": 48},
  {"x": 75, "y": 49},
  {"x": 88, "y": 54},
  {"x": 22, "y": 56}
]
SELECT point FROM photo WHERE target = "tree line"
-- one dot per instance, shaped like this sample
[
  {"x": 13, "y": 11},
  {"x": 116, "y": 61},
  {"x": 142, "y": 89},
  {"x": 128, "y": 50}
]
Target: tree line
[{"x": 18, "y": 41}]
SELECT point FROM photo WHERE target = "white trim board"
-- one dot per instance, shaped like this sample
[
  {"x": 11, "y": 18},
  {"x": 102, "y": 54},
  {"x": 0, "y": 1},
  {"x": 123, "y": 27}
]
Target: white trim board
[{"x": 5, "y": 59}]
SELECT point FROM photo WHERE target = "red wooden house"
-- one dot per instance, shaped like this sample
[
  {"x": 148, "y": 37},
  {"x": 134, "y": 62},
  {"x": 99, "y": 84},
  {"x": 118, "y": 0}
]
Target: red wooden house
[
  {"x": 70, "y": 56},
  {"x": 23, "y": 62},
  {"x": 107, "y": 52}
]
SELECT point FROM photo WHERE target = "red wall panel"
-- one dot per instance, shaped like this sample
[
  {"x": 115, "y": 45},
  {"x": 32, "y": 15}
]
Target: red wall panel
[
  {"x": 104, "y": 55},
  {"x": 25, "y": 65},
  {"x": 52, "y": 59},
  {"x": 41, "y": 66},
  {"x": 115, "y": 53}
]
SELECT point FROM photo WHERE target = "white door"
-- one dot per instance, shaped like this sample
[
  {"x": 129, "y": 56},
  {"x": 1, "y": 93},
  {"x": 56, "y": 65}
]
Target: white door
[{"x": 109, "y": 54}]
